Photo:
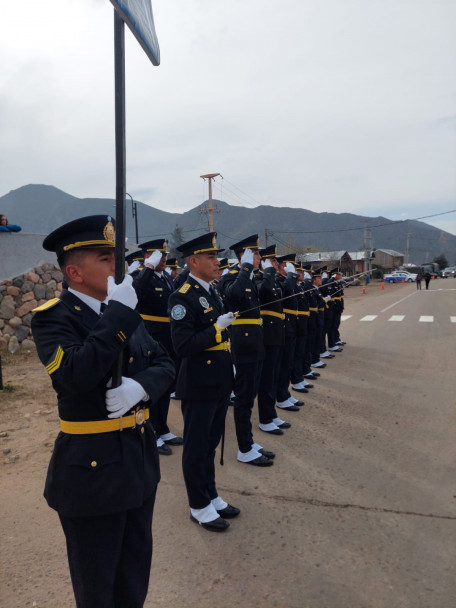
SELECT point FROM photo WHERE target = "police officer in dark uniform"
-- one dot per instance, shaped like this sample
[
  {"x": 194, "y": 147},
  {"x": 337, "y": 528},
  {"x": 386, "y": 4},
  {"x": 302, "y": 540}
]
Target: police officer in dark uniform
[
  {"x": 134, "y": 260},
  {"x": 311, "y": 296},
  {"x": 153, "y": 286},
  {"x": 320, "y": 319},
  {"x": 337, "y": 300},
  {"x": 172, "y": 268},
  {"x": 205, "y": 380},
  {"x": 287, "y": 280},
  {"x": 298, "y": 383},
  {"x": 274, "y": 338},
  {"x": 104, "y": 469},
  {"x": 326, "y": 290},
  {"x": 240, "y": 293}
]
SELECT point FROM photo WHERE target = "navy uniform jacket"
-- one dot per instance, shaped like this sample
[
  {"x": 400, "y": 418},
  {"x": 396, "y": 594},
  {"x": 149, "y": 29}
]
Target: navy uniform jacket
[
  {"x": 270, "y": 295},
  {"x": 100, "y": 473},
  {"x": 153, "y": 293},
  {"x": 240, "y": 293},
  {"x": 303, "y": 310},
  {"x": 288, "y": 286},
  {"x": 203, "y": 374}
]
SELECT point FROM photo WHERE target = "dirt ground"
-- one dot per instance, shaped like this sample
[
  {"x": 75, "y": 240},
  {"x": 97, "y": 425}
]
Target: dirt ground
[{"x": 353, "y": 514}]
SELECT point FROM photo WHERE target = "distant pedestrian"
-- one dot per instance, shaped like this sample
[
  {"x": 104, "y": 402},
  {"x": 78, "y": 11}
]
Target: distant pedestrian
[
  {"x": 427, "y": 278},
  {"x": 418, "y": 281},
  {"x": 5, "y": 226}
]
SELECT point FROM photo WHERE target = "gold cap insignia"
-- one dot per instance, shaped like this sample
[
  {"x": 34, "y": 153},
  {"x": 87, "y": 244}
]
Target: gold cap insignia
[
  {"x": 214, "y": 242},
  {"x": 109, "y": 232}
]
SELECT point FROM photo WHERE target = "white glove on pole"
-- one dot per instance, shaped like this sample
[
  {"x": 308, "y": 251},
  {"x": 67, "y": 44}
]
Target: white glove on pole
[
  {"x": 327, "y": 298},
  {"x": 247, "y": 257},
  {"x": 168, "y": 270},
  {"x": 121, "y": 399},
  {"x": 134, "y": 266},
  {"x": 123, "y": 292},
  {"x": 155, "y": 259},
  {"x": 225, "y": 320},
  {"x": 289, "y": 267},
  {"x": 225, "y": 271},
  {"x": 266, "y": 264}
]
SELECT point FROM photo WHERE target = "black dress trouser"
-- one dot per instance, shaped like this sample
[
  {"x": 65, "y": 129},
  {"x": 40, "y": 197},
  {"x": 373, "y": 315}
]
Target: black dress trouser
[
  {"x": 110, "y": 557},
  {"x": 267, "y": 390},
  {"x": 245, "y": 390},
  {"x": 204, "y": 422}
]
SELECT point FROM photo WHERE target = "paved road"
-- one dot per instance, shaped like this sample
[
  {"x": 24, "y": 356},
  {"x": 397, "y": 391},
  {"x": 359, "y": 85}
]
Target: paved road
[{"x": 359, "y": 509}]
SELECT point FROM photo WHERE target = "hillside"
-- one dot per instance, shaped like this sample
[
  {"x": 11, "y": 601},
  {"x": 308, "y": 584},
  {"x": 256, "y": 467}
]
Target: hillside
[{"x": 40, "y": 208}]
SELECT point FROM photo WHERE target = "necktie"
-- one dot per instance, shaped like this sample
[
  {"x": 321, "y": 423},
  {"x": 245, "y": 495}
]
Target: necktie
[{"x": 102, "y": 308}]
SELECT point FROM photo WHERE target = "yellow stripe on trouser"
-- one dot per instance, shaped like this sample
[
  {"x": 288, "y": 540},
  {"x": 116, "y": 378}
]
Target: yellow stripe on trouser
[
  {"x": 223, "y": 346},
  {"x": 151, "y": 318},
  {"x": 105, "y": 426},
  {"x": 304, "y": 312},
  {"x": 272, "y": 313},
  {"x": 313, "y": 309},
  {"x": 247, "y": 322}
]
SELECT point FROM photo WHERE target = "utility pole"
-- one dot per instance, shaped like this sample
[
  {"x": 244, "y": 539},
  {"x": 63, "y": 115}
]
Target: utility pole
[
  {"x": 134, "y": 214},
  {"x": 367, "y": 247},
  {"x": 210, "y": 209},
  {"x": 265, "y": 237},
  {"x": 407, "y": 248}
]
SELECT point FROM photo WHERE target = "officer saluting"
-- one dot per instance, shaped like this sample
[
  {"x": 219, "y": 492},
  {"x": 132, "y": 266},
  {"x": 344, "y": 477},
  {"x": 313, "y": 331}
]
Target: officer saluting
[
  {"x": 240, "y": 293},
  {"x": 204, "y": 383},
  {"x": 153, "y": 286},
  {"x": 104, "y": 469}
]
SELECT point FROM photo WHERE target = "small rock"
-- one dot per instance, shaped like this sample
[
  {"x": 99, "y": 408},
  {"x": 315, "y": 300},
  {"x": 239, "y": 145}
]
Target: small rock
[
  {"x": 13, "y": 345},
  {"x": 37, "y": 412},
  {"x": 6, "y": 450},
  {"x": 3, "y": 434},
  {"x": 13, "y": 458}
]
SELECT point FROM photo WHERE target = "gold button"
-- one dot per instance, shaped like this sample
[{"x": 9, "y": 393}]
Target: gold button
[
  {"x": 93, "y": 464},
  {"x": 209, "y": 361},
  {"x": 142, "y": 429},
  {"x": 246, "y": 334},
  {"x": 130, "y": 360}
]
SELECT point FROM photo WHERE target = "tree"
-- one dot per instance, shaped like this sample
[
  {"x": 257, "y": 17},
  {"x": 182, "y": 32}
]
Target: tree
[
  {"x": 177, "y": 238},
  {"x": 441, "y": 261}
]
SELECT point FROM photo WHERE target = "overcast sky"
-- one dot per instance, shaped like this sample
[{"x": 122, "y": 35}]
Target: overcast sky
[{"x": 329, "y": 105}]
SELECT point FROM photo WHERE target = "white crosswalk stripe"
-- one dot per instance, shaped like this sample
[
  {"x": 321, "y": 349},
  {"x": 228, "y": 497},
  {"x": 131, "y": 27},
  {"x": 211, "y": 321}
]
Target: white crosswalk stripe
[
  {"x": 345, "y": 317},
  {"x": 397, "y": 318},
  {"x": 453, "y": 319},
  {"x": 369, "y": 318},
  {"x": 426, "y": 319}
]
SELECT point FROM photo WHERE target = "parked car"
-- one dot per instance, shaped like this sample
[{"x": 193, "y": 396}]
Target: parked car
[
  {"x": 449, "y": 272},
  {"x": 399, "y": 276}
]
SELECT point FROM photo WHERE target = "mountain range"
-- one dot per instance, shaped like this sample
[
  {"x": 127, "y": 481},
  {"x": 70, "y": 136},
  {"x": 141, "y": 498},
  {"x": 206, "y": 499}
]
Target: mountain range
[{"x": 41, "y": 208}]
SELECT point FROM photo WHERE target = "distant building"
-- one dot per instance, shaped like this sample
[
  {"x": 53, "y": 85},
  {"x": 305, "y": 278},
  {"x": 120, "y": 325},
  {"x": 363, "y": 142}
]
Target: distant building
[{"x": 388, "y": 258}]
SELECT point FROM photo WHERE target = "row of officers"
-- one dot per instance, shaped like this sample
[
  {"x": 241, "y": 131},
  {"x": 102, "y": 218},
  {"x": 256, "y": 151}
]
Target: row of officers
[
  {"x": 215, "y": 331},
  {"x": 235, "y": 333}
]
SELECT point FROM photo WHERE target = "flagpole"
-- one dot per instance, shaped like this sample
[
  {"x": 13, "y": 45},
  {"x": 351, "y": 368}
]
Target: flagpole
[{"x": 119, "y": 91}]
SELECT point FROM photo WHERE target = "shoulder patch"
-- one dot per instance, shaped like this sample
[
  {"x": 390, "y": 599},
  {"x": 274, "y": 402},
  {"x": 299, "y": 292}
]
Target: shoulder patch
[
  {"x": 185, "y": 287},
  {"x": 178, "y": 312},
  {"x": 46, "y": 305}
]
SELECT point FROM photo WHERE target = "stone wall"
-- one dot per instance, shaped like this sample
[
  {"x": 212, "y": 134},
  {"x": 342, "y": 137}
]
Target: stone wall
[{"x": 18, "y": 297}]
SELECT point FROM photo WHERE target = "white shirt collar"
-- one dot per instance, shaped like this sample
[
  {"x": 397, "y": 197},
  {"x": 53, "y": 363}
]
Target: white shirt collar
[
  {"x": 201, "y": 282},
  {"x": 92, "y": 303}
]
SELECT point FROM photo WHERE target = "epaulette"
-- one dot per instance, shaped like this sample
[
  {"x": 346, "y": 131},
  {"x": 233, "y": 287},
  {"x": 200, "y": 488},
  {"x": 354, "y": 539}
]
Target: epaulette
[
  {"x": 233, "y": 271},
  {"x": 46, "y": 305},
  {"x": 185, "y": 287}
]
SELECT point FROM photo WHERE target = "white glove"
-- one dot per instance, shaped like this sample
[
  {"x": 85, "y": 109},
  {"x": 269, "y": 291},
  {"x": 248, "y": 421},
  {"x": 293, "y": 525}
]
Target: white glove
[
  {"x": 327, "y": 298},
  {"x": 121, "y": 399},
  {"x": 134, "y": 266},
  {"x": 289, "y": 267},
  {"x": 155, "y": 259},
  {"x": 266, "y": 264},
  {"x": 225, "y": 320},
  {"x": 168, "y": 270},
  {"x": 247, "y": 257},
  {"x": 225, "y": 271},
  {"x": 123, "y": 292}
]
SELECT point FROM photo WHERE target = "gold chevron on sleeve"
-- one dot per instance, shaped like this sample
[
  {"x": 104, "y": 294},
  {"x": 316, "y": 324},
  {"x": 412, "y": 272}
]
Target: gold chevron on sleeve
[{"x": 54, "y": 364}]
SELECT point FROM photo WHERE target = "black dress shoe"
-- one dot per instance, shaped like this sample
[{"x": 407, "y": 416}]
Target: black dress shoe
[
  {"x": 299, "y": 403},
  {"x": 299, "y": 390},
  {"x": 291, "y": 408},
  {"x": 284, "y": 425},
  {"x": 312, "y": 375},
  {"x": 273, "y": 432},
  {"x": 216, "y": 525},
  {"x": 261, "y": 461},
  {"x": 229, "y": 512},
  {"x": 174, "y": 441},
  {"x": 269, "y": 455},
  {"x": 310, "y": 385},
  {"x": 164, "y": 450}
]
